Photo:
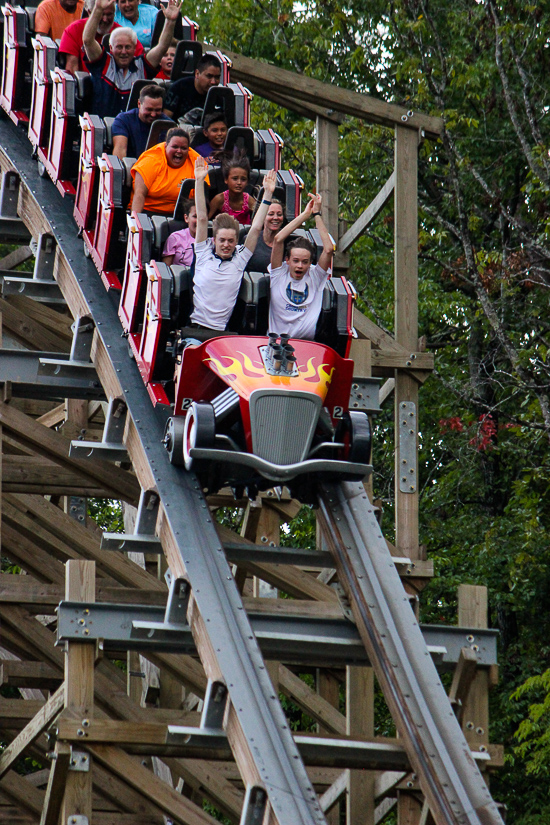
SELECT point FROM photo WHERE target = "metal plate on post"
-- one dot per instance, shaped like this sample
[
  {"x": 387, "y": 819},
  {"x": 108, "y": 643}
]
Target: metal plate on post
[
  {"x": 80, "y": 761},
  {"x": 407, "y": 447}
]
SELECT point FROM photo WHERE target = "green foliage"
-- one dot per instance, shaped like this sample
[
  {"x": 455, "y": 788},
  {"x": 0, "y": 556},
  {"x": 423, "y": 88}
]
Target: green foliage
[{"x": 107, "y": 514}]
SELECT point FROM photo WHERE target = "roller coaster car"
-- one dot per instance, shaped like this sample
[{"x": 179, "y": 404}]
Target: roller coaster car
[
  {"x": 60, "y": 158},
  {"x": 15, "y": 91},
  {"x": 254, "y": 413},
  {"x": 45, "y": 51}
]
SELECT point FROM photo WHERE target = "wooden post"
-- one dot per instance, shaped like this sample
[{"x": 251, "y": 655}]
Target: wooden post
[
  {"x": 327, "y": 171},
  {"x": 268, "y": 530},
  {"x": 360, "y": 722},
  {"x": 406, "y": 334},
  {"x": 328, "y": 688},
  {"x": 79, "y": 687},
  {"x": 472, "y": 612}
]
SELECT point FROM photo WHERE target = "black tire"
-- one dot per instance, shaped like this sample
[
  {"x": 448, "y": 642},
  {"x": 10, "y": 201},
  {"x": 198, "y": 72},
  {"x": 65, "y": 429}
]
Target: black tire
[
  {"x": 173, "y": 439},
  {"x": 355, "y": 430},
  {"x": 199, "y": 431}
]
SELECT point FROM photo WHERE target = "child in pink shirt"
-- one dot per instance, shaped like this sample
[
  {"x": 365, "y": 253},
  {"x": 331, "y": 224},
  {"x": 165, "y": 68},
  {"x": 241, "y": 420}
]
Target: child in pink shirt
[
  {"x": 179, "y": 247},
  {"x": 235, "y": 201}
]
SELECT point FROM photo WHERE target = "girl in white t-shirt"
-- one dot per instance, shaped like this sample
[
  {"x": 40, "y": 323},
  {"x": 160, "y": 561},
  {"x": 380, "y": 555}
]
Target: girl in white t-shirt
[{"x": 296, "y": 285}]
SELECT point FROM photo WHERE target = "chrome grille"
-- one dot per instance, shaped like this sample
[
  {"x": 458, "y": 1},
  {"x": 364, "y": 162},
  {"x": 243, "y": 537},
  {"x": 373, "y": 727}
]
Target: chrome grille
[{"x": 283, "y": 424}]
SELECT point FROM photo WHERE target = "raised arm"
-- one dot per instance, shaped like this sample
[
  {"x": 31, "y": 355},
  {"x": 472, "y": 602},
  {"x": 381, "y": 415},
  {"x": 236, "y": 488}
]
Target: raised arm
[
  {"x": 270, "y": 179},
  {"x": 201, "y": 171},
  {"x": 278, "y": 248},
  {"x": 91, "y": 46},
  {"x": 325, "y": 258},
  {"x": 171, "y": 13}
]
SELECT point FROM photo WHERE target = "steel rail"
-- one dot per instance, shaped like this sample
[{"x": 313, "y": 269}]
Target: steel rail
[
  {"x": 454, "y": 788},
  {"x": 256, "y": 727}
]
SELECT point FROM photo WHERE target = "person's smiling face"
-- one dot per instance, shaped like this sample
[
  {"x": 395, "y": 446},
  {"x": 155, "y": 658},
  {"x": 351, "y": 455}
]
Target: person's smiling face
[
  {"x": 177, "y": 152},
  {"x": 274, "y": 218}
]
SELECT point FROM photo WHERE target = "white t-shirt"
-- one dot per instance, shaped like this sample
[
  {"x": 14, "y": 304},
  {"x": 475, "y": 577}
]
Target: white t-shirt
[
  {"x": 216, "y": 284},
  {"x": 294, "y": 305}
]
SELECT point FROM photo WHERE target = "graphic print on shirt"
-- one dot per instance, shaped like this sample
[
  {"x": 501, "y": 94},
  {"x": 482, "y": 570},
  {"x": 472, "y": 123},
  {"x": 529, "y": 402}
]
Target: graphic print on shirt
[{"x": 296, "y": 297}]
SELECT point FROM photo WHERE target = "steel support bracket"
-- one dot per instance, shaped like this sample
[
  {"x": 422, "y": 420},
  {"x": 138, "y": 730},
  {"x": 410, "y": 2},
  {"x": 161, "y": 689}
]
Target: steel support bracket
[
  {"x": 215, "y": 703},
  {"x": 144, "y": 539},
  {"x": 77, "y": 819},
  {"x": 407, "y": 447},
  {"x": 365, "y": 395},
  {"x": 46, "y": 292}
]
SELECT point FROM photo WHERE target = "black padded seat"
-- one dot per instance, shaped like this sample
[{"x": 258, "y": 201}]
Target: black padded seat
[
  {"x": 108, "y": 121},
  {"x": 157, "y": 132},
  {"x": 188, "y": 54}
]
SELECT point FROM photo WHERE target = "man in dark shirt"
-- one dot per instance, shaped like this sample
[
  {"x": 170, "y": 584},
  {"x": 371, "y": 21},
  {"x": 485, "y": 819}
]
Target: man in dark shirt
[
  {"x": 131, "y": 129},
  {"x": 114, "y": 72},
  {"x": 190, "y": 92}
]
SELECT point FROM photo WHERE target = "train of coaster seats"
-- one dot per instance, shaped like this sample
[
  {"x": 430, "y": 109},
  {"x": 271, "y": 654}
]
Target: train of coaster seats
[{"x": 248, "y": 409}]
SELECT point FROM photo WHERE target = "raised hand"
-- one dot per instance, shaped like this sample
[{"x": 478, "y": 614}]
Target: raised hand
[
  {"x": 172, "y": 10},
  {"x": 315, "y": 203},
  {"x": 270, "y": 181},
  {"x": 105, "y": 5},
  {"x": 201, "y": 169}
]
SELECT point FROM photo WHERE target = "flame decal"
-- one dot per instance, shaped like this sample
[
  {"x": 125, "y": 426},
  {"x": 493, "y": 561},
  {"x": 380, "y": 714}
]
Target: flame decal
[
  {"x": 325, "y": 376},
  {"x": 312, "y": 374},
  {"x": 248, "y": 365},
  {"x": 245, "y": 375},
  {"x": 232, "y": 371}
]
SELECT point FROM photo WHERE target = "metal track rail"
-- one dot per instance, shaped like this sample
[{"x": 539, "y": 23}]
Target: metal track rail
[
  {"x": 254, "y": 722},
  {"x": 440, "y": 756}
]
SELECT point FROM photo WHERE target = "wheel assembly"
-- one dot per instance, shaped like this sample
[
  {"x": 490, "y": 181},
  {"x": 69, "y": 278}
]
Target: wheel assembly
[
  {"x": 173, "y": 439},
  {"x": 354, "y": 430},
  {"x": 199, "y": 430}
]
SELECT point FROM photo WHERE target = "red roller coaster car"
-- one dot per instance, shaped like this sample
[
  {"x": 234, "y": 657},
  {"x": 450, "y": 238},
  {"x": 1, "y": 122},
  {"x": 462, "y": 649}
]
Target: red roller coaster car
[{"x": 254, "y": 412}]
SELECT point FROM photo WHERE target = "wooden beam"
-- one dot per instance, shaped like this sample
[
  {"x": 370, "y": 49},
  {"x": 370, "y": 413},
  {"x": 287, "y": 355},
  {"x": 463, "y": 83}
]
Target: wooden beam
[
  {"x": 314, "y": 705},
  {"x": 373, "y": 209},
  {"x": 52, "y": 320},
  {"x": 293, "y": 581},
  {"x": 332, "y": 795},
  {"x": 31, "y": 732},
  {"x": 26, "y": 592},
  {"x": 29, "y": 675},
  {"x": 29, "y": 332},
  {"x": 132, "y": 772},
  {"x": 59, "y": 776},
  {"x": 259, "y": 76},
  {"x": 360, "y": 723},
  {"x": 406, "y": 325},
  {"x": 326, "y": 134},
  {"x": 463, "y": 678},
  {"x": 37, "y": 474},
  {"x": 79, "y": 688},
  {"x": 472, "y": 612},
  {"x": 55, "y": 447},
  {"x": 66, "y": 538},
  {"x": 16, "y": 257}
]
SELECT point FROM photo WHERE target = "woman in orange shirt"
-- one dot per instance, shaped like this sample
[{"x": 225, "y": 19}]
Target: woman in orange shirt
[{"x": 159, "y": 172}]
